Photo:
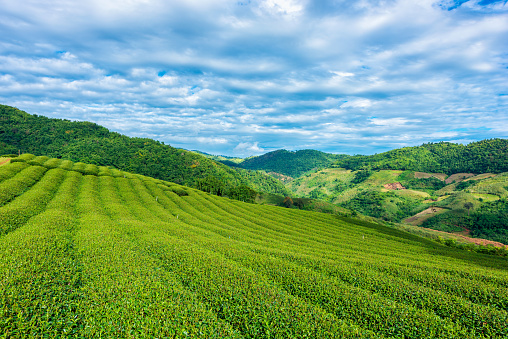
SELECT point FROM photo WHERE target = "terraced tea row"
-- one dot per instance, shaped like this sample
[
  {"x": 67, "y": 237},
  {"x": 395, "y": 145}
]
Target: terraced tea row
[{"x": 90, "y": 251}]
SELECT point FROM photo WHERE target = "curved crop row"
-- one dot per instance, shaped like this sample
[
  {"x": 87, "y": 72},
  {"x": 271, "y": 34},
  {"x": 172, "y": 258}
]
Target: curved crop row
[{"x": 90, "y": 251}]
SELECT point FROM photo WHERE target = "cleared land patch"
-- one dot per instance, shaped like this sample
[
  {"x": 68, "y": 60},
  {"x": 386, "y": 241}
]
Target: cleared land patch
[
  {"x": 457, "y": 177},
  {"x": 394, "y": 186},
  {"x": 4, "y": 161},
  {"x": 382, "y": 177},
  {"x": 438, "y": 199},
  {"x": 423, "y": 175},
  {"x": 419, "y": 218},
  {"x": 486, "y": 197},
  {"x": 412, "y": 193}
]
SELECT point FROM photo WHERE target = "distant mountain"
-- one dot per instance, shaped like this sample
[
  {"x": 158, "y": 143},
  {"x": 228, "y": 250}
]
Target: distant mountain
[
  {"x": 477, "y": 157},
  {"x": 464, "y": 203},
  {"x": 290, "y": 163},
  {"x": 90, "y": 143},
  {"x": 220, "y": 158}
]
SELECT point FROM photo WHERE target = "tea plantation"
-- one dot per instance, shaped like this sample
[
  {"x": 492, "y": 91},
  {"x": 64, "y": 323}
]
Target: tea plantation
[{"x": 93, "y": 252}]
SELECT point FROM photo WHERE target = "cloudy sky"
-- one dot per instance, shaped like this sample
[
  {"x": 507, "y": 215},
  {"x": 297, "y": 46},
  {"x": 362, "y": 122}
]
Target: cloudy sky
[{"x": 240, "y": 77}]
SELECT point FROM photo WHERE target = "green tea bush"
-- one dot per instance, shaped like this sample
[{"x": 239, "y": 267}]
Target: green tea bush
[
  {"x": 9, "y": 170},
  {"x": 91, "y": 169},
  {"x": 79, "y": 167},
  {"x": 23, "y": 158},
  {"x": 179, "y": 191},
  {"x": 40, "y": 279},
  {"x": 66, "y": 165},
  {"x": 34, "y": 201},
  {"x": 114, "y": 254},
  {"x": 38, "y": 161},
  {"x": 19, "y": 183},
  {"x": 52, "y": 163},
  {"x": 104, "y": 171},
  {"x": 117, "y": 173}
]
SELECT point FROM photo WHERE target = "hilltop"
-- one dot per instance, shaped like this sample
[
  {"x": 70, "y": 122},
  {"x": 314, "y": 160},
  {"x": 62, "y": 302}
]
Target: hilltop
[
  {"x": 287, "y": 163},
  {"x": 485, "y": 156},
  {"x": 90, "y": 251}
]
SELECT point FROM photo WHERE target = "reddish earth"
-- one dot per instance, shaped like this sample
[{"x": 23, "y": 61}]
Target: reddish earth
[
  {"x": 4, "y": 161},
  {"x": 466, "y": 232},
  {"x": 394, "y": 186},
  {"x": 476, "y": 241}
]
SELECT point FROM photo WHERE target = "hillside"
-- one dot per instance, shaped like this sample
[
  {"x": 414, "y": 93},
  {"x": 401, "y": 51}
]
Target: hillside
[
  {"x": 94, "y": 144},
  {"x": 486, "y": 156},
  {"x": 288, "y": 163},
  {"x": 465, "y": 203},
  {"x": 89, "y": 251}
]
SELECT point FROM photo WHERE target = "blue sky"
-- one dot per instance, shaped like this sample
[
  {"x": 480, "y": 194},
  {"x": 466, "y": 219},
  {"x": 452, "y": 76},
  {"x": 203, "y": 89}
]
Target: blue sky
[{"x": 247, "y": 77}]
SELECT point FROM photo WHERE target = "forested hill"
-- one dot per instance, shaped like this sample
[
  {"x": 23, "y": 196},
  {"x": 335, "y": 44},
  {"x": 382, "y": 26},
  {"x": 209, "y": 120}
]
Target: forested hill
[
  {"x": 290, "y": 163},
  {"x": 486, "y": 156},
  {"x": 90, "y": 143}
]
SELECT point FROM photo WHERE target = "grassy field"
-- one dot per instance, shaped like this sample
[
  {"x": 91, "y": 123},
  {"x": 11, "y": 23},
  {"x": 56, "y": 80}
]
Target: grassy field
[
  {"x": 494, "y": 185},
  {"x": 89, "y": 251}
]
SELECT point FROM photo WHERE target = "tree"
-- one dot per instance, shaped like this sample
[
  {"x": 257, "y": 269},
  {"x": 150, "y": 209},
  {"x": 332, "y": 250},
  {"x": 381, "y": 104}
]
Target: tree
[
  {"x": 468, "y": 205},
  {"x": 288, "y": 202}
]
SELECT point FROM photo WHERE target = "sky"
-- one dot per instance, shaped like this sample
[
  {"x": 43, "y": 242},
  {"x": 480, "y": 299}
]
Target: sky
[{"x": 242, "y": 78}]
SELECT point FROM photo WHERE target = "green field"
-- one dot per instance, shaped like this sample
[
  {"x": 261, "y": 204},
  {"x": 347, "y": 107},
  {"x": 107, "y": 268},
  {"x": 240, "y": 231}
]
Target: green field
[{"x": 90, "y": 251}]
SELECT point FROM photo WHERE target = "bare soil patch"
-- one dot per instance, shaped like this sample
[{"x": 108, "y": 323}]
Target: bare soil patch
[
  {"x": 423, "y": 175},
  {"x": 4, "y": 161},
  {"x": 458, "y": 177},
  {"x": 419, "y": 218},
  {"x": 466, "y": 232},
  {"x": 394, "y": 186}
]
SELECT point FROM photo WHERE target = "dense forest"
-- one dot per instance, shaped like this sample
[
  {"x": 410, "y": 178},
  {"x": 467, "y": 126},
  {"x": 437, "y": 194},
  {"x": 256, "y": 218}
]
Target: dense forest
[
  {"x": 486, "y": 156},
  {"x": 289, "y": 163},
  {"x": 490, "y": 221},
  {"x": 91, "y": 143}
]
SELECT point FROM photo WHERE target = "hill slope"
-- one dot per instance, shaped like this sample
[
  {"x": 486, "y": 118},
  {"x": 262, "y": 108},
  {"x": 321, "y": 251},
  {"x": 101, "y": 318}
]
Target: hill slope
[
  {"x": 288, "y": 163},
  {"x": 486, "y": 156},
  {"x": 474, "y": 204},
  {"x": 90, "y": 143},
  {"x": 89, "y": 251}
]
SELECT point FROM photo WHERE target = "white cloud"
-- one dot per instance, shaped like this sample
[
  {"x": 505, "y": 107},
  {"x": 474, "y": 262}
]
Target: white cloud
[
  {"x": 357, "y": 103},
  {"x": 211, "y": 140},
  {"x": 277, "y": 73},
  {"x": 392, "y": 122},
  {"x": 248, "y": 148},
  {"x": 286, "y": 7}
]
